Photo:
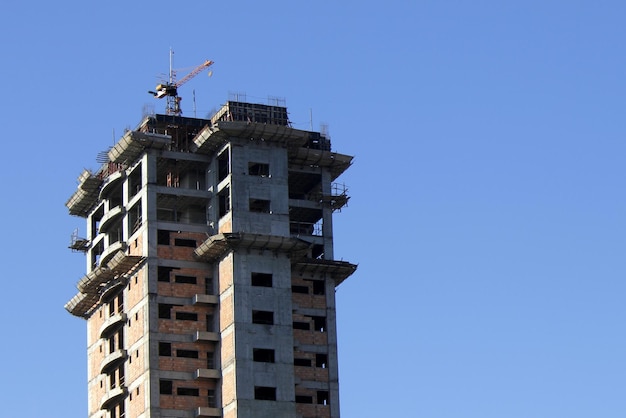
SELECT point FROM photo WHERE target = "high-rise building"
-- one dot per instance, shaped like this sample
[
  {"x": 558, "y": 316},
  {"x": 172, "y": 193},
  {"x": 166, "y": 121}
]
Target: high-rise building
[{"x": 210, "y": 283}]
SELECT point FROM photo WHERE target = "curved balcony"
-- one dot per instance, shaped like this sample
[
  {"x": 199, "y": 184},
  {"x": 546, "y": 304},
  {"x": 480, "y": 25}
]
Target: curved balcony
[
  {"x": 112, "y": 181},
  {"x": 112, "y": 396},
  {"x": 112, "y": 323},
  {"x": 110, "y": 251},
  {"x": 112, "y": 360},
  {"x": 110, "y": 217}
]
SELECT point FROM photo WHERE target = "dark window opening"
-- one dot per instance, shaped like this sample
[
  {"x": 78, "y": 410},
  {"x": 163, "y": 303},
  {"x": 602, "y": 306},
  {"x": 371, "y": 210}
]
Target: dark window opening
[
  {"x": 224, "y": 202},
  {"x": 187, "y": 353},
  {"x": 210, "y": 323},
  {"x": 259, "y": 169},
  {"x": 163, "y": 273},
  {"x": 319, "y": 287},
  {"x": 263, "y": 317},
  {"x": 210, "y": 360},
  {"x": 321, "y": 360},
  {"x": 223, "y": 165},
  {"x": 165, "y": 311},
  {"x": 186, "y": 316},
  {"x": 322, "y": 397},
  {"x": 319, "y": 323},
  {"x": 264, "y": 393},
  {"x": 180, "y": 242},
  {"x": 304, "y": 399},
  {"x": 165, "y": 387},
  {"x": 185, "y": 279},
  {"x": 163, "y": 237},
  {"x": 212, "y": 398},
  {"x": 165, "y": 349},
  {"x": 305, "y": 362},
  {"x": 188, "y": 392},
  {"x": 263, "y": 355},
  {"x": 300, "y": 289},
  {"x": 259, "y": 206},
  {"x": 208, "y": 285},
  {"x": 262, "y": 279},
  {"x": 301, "y": 325}
]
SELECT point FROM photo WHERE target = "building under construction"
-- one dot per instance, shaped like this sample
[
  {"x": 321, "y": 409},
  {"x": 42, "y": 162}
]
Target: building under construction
[{"x": 210, "y": 282}]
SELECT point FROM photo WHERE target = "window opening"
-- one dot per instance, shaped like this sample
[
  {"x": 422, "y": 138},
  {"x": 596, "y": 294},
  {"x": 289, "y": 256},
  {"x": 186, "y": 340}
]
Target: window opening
[
  {"x": 319, "y": 287},
  {"x": 304, "y": 399},
  {"x": 300, "y": 289},
  {"x": 263, "y": 317},
  {"x": 165, "y": 311},
  {"x": 319, "y": 323},
  {"x": 301, "y": 325},
  {"x": 185, "y": 279},
  {"x": 304, "y": 362},
  {"x": 165, "y": 349},
  {"x": 261, "y": 279},
  {"x": 212, "y": 398},
  {"x": 322, "y": 397},
  {"x": 263, "y": 355},
  {"x": 181, "y": 242},
  {"x": 223, "y": 165},
  {"x": 321, "y": 360},
  {"x": 258, "y": 169},
  {"x": 163, "y": 237},
  {"x": 165, "y": 387},
  {"x": 259, "y": 206},
  {"x": 187, "y": 353},
  {"x": 188, "y": 392},
  {"x": 265, "y": 393},
  {"x": 186, "y": 316},
  {"x": 224, "y": 202}
]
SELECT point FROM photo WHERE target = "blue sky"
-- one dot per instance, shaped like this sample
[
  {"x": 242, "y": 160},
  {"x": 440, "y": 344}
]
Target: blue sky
[{"x": 487, "y": 213}]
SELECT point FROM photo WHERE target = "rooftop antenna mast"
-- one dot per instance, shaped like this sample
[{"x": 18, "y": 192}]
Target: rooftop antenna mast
[{"x": 169, "y": 89}]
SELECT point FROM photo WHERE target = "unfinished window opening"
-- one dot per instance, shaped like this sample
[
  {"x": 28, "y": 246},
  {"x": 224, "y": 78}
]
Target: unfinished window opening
[
  {"x": 134, "y": 182},
  {"x": 163, "y": 273},
  {"x": 208, "y": 285},
  {"x": 261, "y": 279},
  {"x": 300, "y": 289},
  {"x": 185, "y": 279},
  {"x": 165, "y": 311},
  {"x": 259, "y": 206},
  {"x": 223, "y": 165},
  {"x": 212, "y": 397},
  {"x": 263, "y": 317},
  {"x": 188, "y": 392},
  {"x": 301, "y": 325},
  {"x": 181, "y": 242},
  {"x": 321, "y": 360},
  {"x": 165, "y": 387},
  {"x": 163, "y": 237},
  {"x": 265, "y": 393},
  {"x": 165, "y": 349},
  {"x": 186, "y": 316},
  {"x": 304, "y": 362},
  {"x": 322, "y": 397},
  {"x": 224, "y": 202},
  {"x": 187, "y": 353},
  {"x": 210, "y": 360},
  {"x": 258, "y": 169},
  {"x": 304, "y": 399},
  {"x": 210, "y": 323},
  {"x": 317, "y": 251},
  {"x": 319, "y": 287},
  {"x": 263, "y": 355},
  {"x": 134, "y": 218},
  {"x": 319, "y": 323}
]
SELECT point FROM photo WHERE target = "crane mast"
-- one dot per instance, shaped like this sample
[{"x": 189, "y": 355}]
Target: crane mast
[{"x": 169, "y": 89}]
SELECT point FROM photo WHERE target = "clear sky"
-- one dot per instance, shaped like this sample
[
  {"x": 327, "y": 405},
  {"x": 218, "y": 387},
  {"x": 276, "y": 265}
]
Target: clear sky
[{"x": 488, "y": 207}]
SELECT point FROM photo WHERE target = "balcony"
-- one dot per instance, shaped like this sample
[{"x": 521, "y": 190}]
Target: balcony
[
  {"x": 110, "y": 183},
  {"x": 112, "y": 360},
  {"x": 205, "y": 411},
  {"x": 112, "y": 323},
  {"x": 206, "y": 336},
  {"x": 110, "y": 251},
  {"x": 200, "y": 299},
  {"x": 112, "y": 396},
  {"x": 208, "y": 374},
  {"x": 110, "y": 217}
]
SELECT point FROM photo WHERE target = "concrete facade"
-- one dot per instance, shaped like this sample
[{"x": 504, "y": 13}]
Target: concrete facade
[{"x": 210, "y": 282}]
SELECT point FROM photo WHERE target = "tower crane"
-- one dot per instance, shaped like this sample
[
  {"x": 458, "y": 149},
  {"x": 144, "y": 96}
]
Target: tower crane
[{"x": 169, "y": 89}]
